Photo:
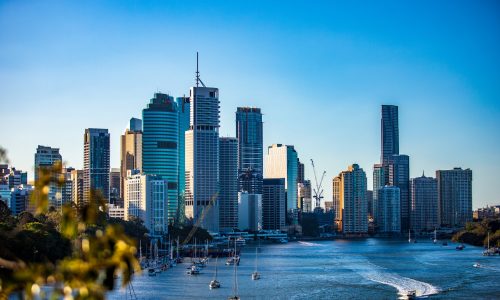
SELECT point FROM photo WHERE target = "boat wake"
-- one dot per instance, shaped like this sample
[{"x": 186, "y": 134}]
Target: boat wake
[
  {"x": 402, "y": 284},
  {"x": 308, "y": 244}
]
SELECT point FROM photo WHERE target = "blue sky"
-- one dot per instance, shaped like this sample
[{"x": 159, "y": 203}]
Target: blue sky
[{"x": 319, "y": 71}]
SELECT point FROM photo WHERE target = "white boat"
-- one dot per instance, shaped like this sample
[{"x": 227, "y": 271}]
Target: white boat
[
  {"x": 214, "y": 284},
  {"x": 411, "y": 295},
  {"x": 409, "y": 236},
  {"x": 477, "y": 265},
  {"x": 235, "y": 283},
  {"x": 233, "y": 260},
  {"x": 283, "y": 241},
  {"x": 255, "y": 274},
  {"x": 487, "y": 252},
  {"x": 194, "y": 270},
  {"x": 435, "y": 237}
]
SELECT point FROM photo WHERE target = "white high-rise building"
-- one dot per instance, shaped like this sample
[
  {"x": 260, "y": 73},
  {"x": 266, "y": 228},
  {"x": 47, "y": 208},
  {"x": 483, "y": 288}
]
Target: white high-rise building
[
  {"x": 202, "y": 158},
  {"x": 424, "y": 204},
  {"x": 352, "y": 197},
  {"x": 146, "y": 198}
]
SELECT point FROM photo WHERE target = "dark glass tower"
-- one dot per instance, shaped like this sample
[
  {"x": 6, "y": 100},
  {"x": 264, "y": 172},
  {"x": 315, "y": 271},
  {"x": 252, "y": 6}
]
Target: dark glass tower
[
  {"x": 390, "y": 132},
  {"x": 160, "y": 145},
  {"x": 399, "y": 175},
  {"x": 250, "y": 149},
  {"x": 96, "y": 162}
]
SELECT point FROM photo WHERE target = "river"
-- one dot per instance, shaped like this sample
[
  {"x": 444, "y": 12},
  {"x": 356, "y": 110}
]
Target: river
[{"x": 339, "y": 269}]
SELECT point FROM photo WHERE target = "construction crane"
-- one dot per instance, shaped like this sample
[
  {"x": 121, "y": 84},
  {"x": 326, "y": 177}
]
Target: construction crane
[{"x": 318, "y": 190}]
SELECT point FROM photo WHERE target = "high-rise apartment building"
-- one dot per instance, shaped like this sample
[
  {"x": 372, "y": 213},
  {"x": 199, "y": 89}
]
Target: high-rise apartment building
[
  {"x": 273, "y": 204},
  {"x": 131, "y": 151},
  {"x": 96, "y": 163},
  {"x": 249, "y": 132},
  {"x": 390, "y": 132},
  {"x": 424, "y": 204},
  {"x": 115, "y": 187},
  {"x": 228, "y": 184},
  {"x": 67, "y": 186},
  {"x": 160, "y": 154},
  {"x": 183, "y": 109},
  {"x": 337, "y": 205},
  {"x": 454, "y": 196},
  {"x": 399, "y": 175},
  {"x": 202, "y": 158},
  {"x": 20, "y": 199},
  {"x": 46, "y": 157},
  {"x": 77, "y": 187},
  {"x": 281, "y": 161},
  {"x": 389, "y": 218},
  {"x": 146, "y": 198},
  {"x": 379, "y": 181},
  {"x": 352, "y": 193}
]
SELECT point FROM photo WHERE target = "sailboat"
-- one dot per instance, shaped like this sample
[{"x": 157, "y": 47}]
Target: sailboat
[
  {"x": 235, "y": 284},
  {"x": 255, "y": 274},
  {"x": 151, "y": 269},
  {"x": 435, "y": 238},
  {"x": 215, "y": 284},
  {"x": 487, "y": 251},
  {"x": 409, "y": 236}
]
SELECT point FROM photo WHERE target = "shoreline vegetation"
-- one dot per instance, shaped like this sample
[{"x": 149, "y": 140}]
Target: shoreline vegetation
[{"x": 476, "y": 233}]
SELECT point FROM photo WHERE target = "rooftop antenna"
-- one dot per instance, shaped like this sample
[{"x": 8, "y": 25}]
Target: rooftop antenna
[{"x": 198, "y": 80}]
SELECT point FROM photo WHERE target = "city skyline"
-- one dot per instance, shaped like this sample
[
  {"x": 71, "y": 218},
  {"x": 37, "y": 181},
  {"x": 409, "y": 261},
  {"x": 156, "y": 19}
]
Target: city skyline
[{"x": 467, "y": 116}]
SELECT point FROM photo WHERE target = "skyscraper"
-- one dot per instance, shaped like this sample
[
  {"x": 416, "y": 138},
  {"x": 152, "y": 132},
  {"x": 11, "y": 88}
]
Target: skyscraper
[
  {"x": 77, "y": 187},
  {"x": 202, "y": 158},
  {"x": 379, "y": 182},
  {"x": 454, "y": 196},
  {"x": 249, "y": 211},
  {"x": 183, "y": 109},
  {"x": 424, "y": 204},
  {"x": 131, "y": 151},
  {"x": 399, "y": 175},
  {"x": 305, "y": 196},
  {"x": 249, "y": 133},
  {"x": 390, "y": 132},
  {"x": 46, "y": 157},
  {"x": 337, "y": 205},
  {"x": 114, "y": 187},
  {"x": 282, "y": 162},
  {"x": 228, "y": 180},
  {"x": 96, "y": 163},
  {"x": 273, "y": 204},
  {"x": 352, "y": 194},
  {"x": 160, "y": 154},
  {"x": 389, "y": 218}
]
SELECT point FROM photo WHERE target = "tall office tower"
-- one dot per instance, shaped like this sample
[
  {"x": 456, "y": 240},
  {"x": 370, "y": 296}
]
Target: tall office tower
[
  {"x": 353, "y": 200},
  {"x": 424, "y": 203},
  {"x": 454, "y": 196},
  {"x": 249, "y": 211},
  {"x": 77, "y": 187},
  {"x": 114, "y": 187},
  {"x": 300, "y": 174},
  {"x": 273, "y": 204},
  {"x": 46, "y": 157},
  {"x": 135, "y": 125},
  {"x": 249, "y": 133},
  {"x": 183, "y": 109},
  {"x": 130, "y": 151},
  {"x": 379, "y": 181},
  {"x": 228, "y": 184},
  {"x": 389, "y": 218},
  {"x": 95, "y": 163},
  {"x": 282, "y": 162},
  {"x": 146, "y": 197},
  {"x": 304, "y": 195},
  {"x": 399, "y": 175},
  {"x": 202, "y": 157},
  {"x": 160, "y": 154},
  {"x": 390, "y": 132}
]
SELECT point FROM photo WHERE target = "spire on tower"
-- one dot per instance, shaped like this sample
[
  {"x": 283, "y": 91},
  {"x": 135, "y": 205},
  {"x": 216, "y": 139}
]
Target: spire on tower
[{"x": 198, "y": 80}]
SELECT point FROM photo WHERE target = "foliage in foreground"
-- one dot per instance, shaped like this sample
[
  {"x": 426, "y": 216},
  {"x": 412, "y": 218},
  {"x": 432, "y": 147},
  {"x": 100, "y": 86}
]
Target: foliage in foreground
[{"x": 76, "y": 253}]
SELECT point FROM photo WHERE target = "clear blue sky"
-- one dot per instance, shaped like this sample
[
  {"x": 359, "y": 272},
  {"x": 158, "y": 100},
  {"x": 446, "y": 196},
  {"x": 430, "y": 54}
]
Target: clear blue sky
[{"x": 319, "y": 71}]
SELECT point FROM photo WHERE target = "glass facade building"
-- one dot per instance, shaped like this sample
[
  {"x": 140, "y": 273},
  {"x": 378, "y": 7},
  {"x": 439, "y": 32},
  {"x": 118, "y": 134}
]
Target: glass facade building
[
  {"x": 390, "y": 132},
  {"x": 96, "y": 162},
  {"x": 183, "y": 109},
  {"x": 228, "y": 179},
  {"x": 160, "y": 153}
]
